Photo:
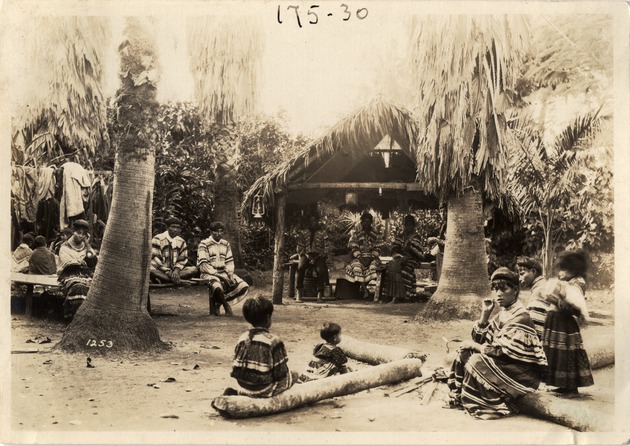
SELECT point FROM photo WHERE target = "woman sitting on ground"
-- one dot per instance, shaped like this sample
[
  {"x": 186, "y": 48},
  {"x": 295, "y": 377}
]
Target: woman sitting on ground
[{"x": 503, "y": 361}]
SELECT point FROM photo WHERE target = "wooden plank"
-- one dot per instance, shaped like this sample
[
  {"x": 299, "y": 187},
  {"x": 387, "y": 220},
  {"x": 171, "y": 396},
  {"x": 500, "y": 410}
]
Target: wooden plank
[
  {"x": 385, "y": 186},
  {"x": 35, "y": 279}
]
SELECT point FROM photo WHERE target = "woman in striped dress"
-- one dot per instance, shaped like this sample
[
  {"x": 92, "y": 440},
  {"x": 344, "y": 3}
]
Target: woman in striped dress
[
  {"x": 569, "y": 366},
  {"x": 409, "y": 243},
  {"x": 503, "y": 361}
]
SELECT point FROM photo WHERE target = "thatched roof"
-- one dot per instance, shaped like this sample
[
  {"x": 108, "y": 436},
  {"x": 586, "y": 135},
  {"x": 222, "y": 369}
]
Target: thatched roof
[{"x": 333, "y": 155}]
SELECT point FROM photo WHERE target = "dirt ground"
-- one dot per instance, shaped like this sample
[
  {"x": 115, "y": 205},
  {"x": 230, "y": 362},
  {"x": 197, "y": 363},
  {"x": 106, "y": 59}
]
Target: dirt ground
[{"x": 172, "y": 391}]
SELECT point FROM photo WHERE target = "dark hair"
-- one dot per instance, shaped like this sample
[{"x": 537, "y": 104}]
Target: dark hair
[
  {"x": 40, "y": 241},
  {"x": 530, "y": 263},
  {"x": 575, "y": 262},
  {"x": 329, "y": 330},
  {"x": 409, "y": 219},
  {"x": 257, "y": 309},
  {"x": 28, "y": 239}
]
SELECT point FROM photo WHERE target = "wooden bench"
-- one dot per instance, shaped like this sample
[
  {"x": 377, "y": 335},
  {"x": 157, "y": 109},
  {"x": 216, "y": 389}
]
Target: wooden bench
[{"x": 30, "y": 280}]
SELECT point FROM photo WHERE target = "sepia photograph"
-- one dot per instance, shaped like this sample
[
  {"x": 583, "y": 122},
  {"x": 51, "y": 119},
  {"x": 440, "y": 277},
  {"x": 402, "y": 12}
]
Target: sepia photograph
[{"x": 371, "y": 222}]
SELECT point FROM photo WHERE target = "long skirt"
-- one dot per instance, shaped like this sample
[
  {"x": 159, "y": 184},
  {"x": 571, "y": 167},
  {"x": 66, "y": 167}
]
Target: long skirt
[
  {"x": 486, "y": 386},
  {"x": 409, "y": 278},
  {"x": 362, "y": 269},
  {"x": 569, "y": 366}
]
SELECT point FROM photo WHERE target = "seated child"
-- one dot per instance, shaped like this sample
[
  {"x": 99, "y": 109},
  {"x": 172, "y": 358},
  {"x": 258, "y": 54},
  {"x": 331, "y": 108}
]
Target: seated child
[
  {"x": 328, "y": 358},
  {"x": 260, "y": 359}
]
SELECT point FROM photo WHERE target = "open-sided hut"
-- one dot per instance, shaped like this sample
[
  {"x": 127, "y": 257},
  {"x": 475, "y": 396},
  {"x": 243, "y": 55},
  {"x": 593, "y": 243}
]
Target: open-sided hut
[{"x": 369, "y": 154}]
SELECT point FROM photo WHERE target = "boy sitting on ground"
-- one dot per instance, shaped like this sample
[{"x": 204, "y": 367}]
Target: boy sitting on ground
[{"x": 260, "y": 359}]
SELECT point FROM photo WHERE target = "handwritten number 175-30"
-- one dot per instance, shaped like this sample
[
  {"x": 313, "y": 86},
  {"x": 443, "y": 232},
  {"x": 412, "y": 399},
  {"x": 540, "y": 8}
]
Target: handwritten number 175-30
[{"x": 313, "y": 17}]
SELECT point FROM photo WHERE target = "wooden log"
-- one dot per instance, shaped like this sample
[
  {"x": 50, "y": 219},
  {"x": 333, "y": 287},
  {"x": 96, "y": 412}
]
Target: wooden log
[
  {"x": 372, "y": 353},
  {"x": 566, "y": 412},
  {"x": 310, "y": 392},
  {"x": 602, "y": 355},
  {"x": 345, "y": 186}
]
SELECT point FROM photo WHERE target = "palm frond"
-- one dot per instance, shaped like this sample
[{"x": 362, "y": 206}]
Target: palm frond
[
  {"x": 465, "y": 68},
  {"x": 225, "y": 54},
  {"x": 64, "y": 96}
]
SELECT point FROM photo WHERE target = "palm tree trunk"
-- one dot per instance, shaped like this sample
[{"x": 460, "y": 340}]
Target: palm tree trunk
[
  {"x": 464, "y": 279},
  {"x": 115, "y": 309},
  {"x": 226, "y": 205},
  {"x": 114, "y": 316}
]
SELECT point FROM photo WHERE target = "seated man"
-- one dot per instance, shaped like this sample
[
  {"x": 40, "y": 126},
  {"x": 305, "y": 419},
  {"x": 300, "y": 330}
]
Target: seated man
[
  {"x": 311, "y": 252},
  {"x": 216, "y": 264},
  {"x": 365, "y": 245},
  {"x": 169, "y": 254}
]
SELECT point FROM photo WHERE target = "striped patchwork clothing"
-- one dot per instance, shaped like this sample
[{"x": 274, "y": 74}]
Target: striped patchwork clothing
[
  {"x": 328, "y": 360},
  {"x": 216, "y": 264},
  {"x": 406, "y": 243},
  {"x": 569, "y": 365},
  {"x": 538, "y": 306},
  {"x": 365, "y": 247},
  {"x": 511, "y": 364},
  {"x": 260, "y": 364},
  {"x": 168, "y": 253}
]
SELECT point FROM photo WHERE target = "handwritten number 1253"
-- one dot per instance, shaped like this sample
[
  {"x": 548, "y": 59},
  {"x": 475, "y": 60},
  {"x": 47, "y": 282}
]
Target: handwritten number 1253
[{"x": 313, "y": 17}]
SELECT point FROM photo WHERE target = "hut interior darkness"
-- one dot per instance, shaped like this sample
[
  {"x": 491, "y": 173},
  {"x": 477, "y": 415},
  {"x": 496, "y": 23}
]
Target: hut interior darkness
[{"x": 368, "y": 156}]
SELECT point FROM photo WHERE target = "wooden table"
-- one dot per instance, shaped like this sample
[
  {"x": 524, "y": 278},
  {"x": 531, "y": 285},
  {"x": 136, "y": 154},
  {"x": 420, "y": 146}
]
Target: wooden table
[{"x": 30, "y": 280}]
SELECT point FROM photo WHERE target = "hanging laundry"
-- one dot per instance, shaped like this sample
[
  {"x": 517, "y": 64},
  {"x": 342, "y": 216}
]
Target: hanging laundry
[
  {"x": 24, "y": 189},
  {"x": 76, "y": 190},
  {"x": 48, "y": 218},
  {"x": 45, "y": 184}
]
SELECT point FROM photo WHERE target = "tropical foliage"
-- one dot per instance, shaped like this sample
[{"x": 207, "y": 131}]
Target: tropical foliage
[
  {"x": 562, "y": 196},
  {"x": 465, "y": 72},
  {"x": 63, "y": 113}
]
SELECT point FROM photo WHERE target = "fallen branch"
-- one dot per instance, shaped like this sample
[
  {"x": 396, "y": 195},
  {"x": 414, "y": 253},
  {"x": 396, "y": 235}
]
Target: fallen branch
[
  {"x": 313, "y": 391},
  {"x": 410, "y": 388}
]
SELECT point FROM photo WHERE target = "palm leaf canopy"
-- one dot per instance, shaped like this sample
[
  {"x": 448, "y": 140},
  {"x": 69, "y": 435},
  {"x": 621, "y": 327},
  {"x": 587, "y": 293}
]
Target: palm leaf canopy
[
  {"x": 225, "y": 55},
  {"x": 64, "y": 109},
  {"x": 355, "y": 135},
  {"x": 465, "y": 69}
]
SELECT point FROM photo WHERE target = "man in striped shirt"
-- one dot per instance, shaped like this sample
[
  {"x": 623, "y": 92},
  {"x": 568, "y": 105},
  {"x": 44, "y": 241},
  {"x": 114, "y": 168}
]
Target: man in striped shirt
[
  {"x": 169, "y": 255},
  {"x": 216, "y": 264}
]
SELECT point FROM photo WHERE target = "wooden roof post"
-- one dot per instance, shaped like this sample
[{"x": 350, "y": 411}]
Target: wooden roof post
[{"x": 278, "y": 250}]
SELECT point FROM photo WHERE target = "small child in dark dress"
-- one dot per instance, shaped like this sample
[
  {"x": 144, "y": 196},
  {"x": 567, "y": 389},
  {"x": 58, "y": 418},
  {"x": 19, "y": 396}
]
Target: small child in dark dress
[{"x": 328, "y": 358}]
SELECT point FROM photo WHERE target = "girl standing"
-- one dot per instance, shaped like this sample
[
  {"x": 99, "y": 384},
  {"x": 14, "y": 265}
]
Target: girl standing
[{"x": 569, "y": 366}]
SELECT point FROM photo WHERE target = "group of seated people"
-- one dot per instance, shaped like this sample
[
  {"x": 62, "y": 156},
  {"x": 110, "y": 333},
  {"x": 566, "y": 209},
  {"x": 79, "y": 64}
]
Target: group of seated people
[
  {"x": 507, "y": 357},
  {"x": 170, "y": 263},
  {"x": 74, "y": 259},
  {"x": 366, "y": 246}
]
